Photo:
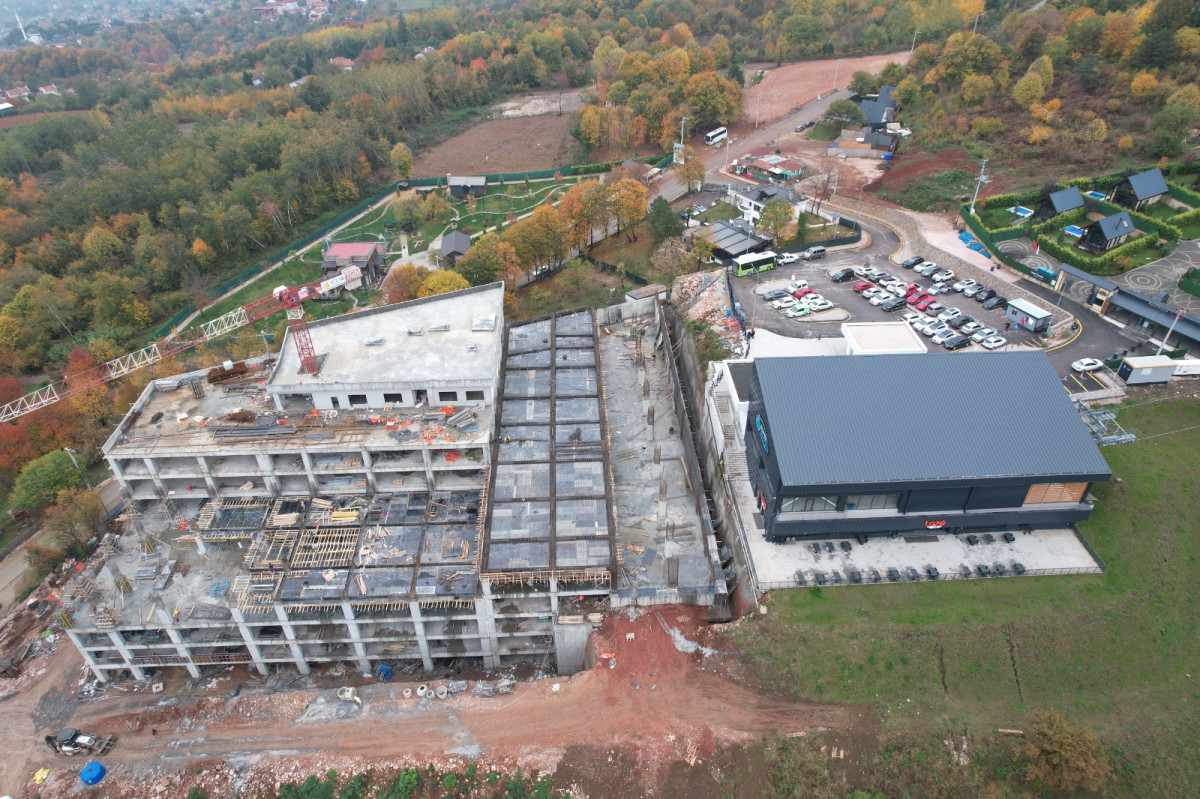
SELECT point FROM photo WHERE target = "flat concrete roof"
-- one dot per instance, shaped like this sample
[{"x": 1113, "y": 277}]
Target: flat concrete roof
[
  {"x": 881, "y": 338},
  {"x": 452, "y": 336}
]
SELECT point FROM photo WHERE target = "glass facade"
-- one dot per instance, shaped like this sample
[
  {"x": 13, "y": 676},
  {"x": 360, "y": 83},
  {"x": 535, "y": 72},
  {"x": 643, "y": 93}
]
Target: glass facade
[
  {"x": 809, "y": 504},
  {"x": 872, "y": 502}
]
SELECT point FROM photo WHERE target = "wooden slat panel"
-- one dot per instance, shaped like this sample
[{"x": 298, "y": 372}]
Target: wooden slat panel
[{"x": 1042, "y": 493}]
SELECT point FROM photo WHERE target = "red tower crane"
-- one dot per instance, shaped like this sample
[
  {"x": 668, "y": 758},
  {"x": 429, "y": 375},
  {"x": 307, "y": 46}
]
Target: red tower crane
[{"x": 283, "y": 298}]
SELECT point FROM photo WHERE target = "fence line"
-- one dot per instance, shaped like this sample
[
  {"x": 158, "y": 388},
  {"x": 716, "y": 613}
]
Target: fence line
[{"x": 942, "y": 577}]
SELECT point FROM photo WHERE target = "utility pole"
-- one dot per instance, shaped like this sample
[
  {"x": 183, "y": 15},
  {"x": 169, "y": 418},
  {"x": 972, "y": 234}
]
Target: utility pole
[
  {"x": 1170, "y": 330},
  {"x": 975, "y": 27},
  {"x": 682, "y": 122},
  {"x": 71, "y": 454},
  {"x": 914, "y": 44},
  {"x": 757, "y": 105},
  {"x": 726, "y": 153},
  {"x": 983, "y": 178},
  {"x": 836, "y": 68}
]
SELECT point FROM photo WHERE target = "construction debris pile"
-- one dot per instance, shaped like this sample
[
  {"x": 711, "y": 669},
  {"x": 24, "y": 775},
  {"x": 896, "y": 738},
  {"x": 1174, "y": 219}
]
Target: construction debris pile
[{"x": 704, "y": 297}]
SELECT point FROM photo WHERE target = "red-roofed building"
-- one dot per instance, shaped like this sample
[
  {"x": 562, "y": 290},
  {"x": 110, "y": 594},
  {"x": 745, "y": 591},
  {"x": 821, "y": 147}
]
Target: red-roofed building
[
  {"x": 342, "y": 63},
  {"x": 365, "y": 254}
]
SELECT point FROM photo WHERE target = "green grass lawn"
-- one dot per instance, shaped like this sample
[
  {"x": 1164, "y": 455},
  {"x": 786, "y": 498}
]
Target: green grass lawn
[
  {"x": 719, "y": 212},
  {"x": 1118, "y": 652},
  {"x": 824, "y": 131}
]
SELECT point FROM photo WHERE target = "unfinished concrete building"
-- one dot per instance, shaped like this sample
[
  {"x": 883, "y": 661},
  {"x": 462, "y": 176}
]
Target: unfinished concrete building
[{"x": 366, "y": 516}]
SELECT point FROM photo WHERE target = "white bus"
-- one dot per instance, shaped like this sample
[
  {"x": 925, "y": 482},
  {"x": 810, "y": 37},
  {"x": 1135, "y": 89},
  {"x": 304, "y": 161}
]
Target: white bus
[
  {"x": 745, "y": 265},
  {"x": 714, "y": 136}
]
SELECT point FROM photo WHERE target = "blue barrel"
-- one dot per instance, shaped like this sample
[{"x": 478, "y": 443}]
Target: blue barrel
[{"x": 92, "y": 773}]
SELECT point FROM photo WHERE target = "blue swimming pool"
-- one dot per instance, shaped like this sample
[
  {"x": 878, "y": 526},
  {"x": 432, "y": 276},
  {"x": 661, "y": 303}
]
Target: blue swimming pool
[
  {"x": 1021, "y": 211},
  {"x": 1097, "y": 195},
  {"x": 1073, "y": 230}
]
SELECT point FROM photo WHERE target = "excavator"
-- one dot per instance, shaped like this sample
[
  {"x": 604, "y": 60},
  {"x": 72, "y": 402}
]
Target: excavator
[{"x": 73, "y": 742}]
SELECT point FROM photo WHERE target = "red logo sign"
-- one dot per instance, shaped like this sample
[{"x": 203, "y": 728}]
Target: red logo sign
[{"x": 934, "y": 524}]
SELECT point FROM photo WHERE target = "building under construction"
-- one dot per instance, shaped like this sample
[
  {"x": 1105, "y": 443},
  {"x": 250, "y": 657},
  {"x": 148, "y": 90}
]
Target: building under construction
[{"x": 444, "y": 489}]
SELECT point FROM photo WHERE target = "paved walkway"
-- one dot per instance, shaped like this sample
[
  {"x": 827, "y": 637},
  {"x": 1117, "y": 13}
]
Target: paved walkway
[{"x": 1164, "y": 274}]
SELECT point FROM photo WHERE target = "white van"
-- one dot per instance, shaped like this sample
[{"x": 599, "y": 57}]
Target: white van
[{"x": 813, "y": 253}]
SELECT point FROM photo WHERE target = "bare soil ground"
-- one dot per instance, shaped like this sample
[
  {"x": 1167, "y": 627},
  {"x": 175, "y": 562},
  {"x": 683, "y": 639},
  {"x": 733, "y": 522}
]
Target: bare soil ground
[
  {"x": 661, "y": 722},
  {"x": 541, "y": 103},
  {"x": 519, "y": 144},
  {"x": 784, "y": 89}
]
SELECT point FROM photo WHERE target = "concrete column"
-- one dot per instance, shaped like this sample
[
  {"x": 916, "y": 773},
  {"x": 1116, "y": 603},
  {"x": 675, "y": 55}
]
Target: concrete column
[
  {"x": 308, "y": 471},
  {"x": 485, "y": 616},
  {"x": 360, "y": 649},
  {"x": 152, "y": 466},
  {"x": 414, "y": 610},
  {"x": 206, "y": 470},
  {"x": 168, "y": 624},
  {"x": 266, "y": 468},
  {"x": 119, "y": 474},
  {"x": 427, "y": 459},
  {"x": 248, "y": 638},
  {"x": 369, "y": 467},
  {"x": 88, "y": 658},
  {"x": 553, "y": 597},
  {"x": 289, "y": 634},
  {"x": 126, "y": 654}
]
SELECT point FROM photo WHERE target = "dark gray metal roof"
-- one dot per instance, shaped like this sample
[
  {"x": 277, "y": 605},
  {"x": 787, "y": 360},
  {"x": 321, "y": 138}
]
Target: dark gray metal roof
[
  {"x": 1148, "y": 184},
  {"x": 850, "y": 419},
  {"x": 1120, "y": 224},
  {"x": 1158, "y": 312},
  {"x": 877, "y": 113},
  {"x": 885, "y": 96},
  {"x": 1066, "y": 200},
  {"x": 733, "y": 238},
  {"x": 455, "y": 243},
  {"x": 1095, "y": 280},
  {"x": 742, "y": 373}
]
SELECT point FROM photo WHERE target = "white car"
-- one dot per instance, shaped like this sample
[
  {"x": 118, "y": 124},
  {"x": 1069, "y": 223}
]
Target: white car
[
  {"x": 787, "y": 258},
  {"x": 926, "y": 269},
  {"x": 942, "y": 276},
  {"x": 936, "y": 289},
  {"x": 861, "y": 271},
  {"x": 963, "y": 284},
  {"x": 992, "y": 342},
  {"x": 796, "y": 285},
  {"x": 942, "y": 336},
  {"x": 912, "y": 317},
  {"x": 979, "y": 336},
  {"x": 899, "y": 288},
  {"x": 971, "y": 328},
  {"x": 1087, "y": 365},
  {"x": 875, "y": 292},
  {"x": 923, "y": 324},
  {"x": 949, "y": 313},
  {"x": 971, "y": 291},
  {"x": 783, "y": 302},
  {"x": 798, "y": 310},
  {"x": 809, "y": 299},
  {"x": 820, "y": 305},
  {"x": 880, "y": 298},
  {"x": 935, "y": 327}
]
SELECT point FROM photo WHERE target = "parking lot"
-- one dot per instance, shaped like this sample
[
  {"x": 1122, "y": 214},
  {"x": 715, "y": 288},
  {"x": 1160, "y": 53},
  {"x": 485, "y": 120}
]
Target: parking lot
[
  {"x": 760, "y": 314},
  {"x": 1088, "y": 381}
]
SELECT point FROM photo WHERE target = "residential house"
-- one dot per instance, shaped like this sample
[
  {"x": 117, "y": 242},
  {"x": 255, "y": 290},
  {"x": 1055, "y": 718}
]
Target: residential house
[
  {"x": 771, "y": 167},
  {"x": 880, "y": 111},
  {"x": 1059, "y": 202},
  {"x": 751, "y": 201},
  {"x": 51, "y": 89},
  {"x": 629, "y": 168},
  {"x": 1139, "y": 190},
  {"x": 1109, "y": 232},
  {"x": 17, "y": 93},
  {"x": 460, "y": 187},
  {"x": 454, "y": 246},
  {"x": 342, "y": 63},
  {"x": 425, "y": 52},
  {"x": 863, "y": 143},
  {"x": 367, "y": 255},
  {"x": 318, "y": 11}
]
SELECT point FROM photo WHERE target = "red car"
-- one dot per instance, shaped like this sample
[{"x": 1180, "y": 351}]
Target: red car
[
  {"x": 918, "y": 296},
  {"x": 863, "y": 285},
  {"x": 912, "y": 289},
  {"x": 804, "y": 292},
  {"x": 925, "y": 303}
]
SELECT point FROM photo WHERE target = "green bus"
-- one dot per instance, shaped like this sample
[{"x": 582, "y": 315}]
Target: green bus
[{"x": 753, "y": 262}]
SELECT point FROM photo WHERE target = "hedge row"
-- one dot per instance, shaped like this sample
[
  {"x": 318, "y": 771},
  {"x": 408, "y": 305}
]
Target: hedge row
[
  {"x": 1190, "y": 282},
  {"x": 1183, "y": 194},
  {"x": 1104, "y": 264}
]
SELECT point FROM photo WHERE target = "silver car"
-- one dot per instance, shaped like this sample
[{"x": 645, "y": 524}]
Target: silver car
[{"x": 982, "y": 335}]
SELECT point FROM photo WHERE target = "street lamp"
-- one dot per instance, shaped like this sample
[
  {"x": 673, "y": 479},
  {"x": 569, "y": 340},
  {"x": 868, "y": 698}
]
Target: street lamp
[
  {"x": 914, "y": 44},
  {"x": 71, "y": 454}
]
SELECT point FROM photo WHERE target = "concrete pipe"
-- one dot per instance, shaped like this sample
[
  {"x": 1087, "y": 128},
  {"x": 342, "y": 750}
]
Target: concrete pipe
[
  {"x": 407, "y": 693},
  {"x": 442, "y": 692},
  {"x": 422, "y": 690}
]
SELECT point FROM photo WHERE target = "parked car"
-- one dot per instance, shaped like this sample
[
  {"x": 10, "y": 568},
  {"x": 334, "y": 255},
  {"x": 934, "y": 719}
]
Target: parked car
[
  {"x": 912, "y": 289},
  {"x": 922, "y": 322},
  {"x": 863, "y": 285},
  {"x": 842, "y": 275},
  {"x": 992, "y": 342},
  {"x": 984, "y": 294},
  {"x": 813, "y": 253},
  {"x": 787, "y": 258},
  {"x": 798, "y": 310},
  {"x": 926, "y": 269},
  {"x": 923, "y": 305},
  {"x": 964, "y": 284},
  {"x": 809, "y": 299},
  {"x": 960, "y": 321},
  {"x": 909, "y": 263},
  {"x": 820, "y": 305},
  {"x": 918, "y": 297},
  {"x": 942, "y": 276},
  {"x": 1087, "y": 365},
  {"x": 935, "y": 308},
  {"x": 875, "y": 291},
  {"x": 996, "y": 303},
  {"x": 774, "y": 294},
  {"x": 874, "y": 274},
  {"x": 944, "y": 335},
  {"x": 937, "y": 328},
  {"x": 861, "y": 271},
  {"x": 894, "y": 304},
  {"x": 971, "y": 291},
  {"x": 956, "y": 342},
  {"x": 911, "y": 317},
  {"x": 784, "y": 302},
  {"x": 804, "y": 292},
  {"x": 898, "y": 288},
  {"x": 949, "y": 313},
  {"x": 797, "y": 284},
  {"x": 982, "y": 334},
  {"x": 938, "y": 288},
  {"x": 970, "y": 328},
  {"x": 881, "y": 298}
]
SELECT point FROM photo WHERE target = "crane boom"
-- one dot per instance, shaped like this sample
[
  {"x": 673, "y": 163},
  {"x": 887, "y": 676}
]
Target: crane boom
[{"x": 289, "y": 298}]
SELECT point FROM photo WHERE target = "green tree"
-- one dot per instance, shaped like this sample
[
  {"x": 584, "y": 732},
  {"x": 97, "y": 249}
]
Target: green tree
[
  {"x": 1029, "y": 90},
  {"x": 863, "y": 82},
  {"x": 402, "y": 160},
  {"x": 662, "y": 222},
  {"x": 629, "y": 205},
  {"x": 40, "y": 481},
  {"x": 714, "y": 100},
  {"x": 441, "y": 282},
  {"x": 691, "y": 170},
  {"x": 976, "y": 89},
  {"x": 1043, "y": 67},
  {"x": 735, "y": 74},
  {"x": 1170, "y": 127},
  {"x": 777, "y": 220},
  {"x": 844, "y": 111},
  {"x": 1062, "y": 756}
]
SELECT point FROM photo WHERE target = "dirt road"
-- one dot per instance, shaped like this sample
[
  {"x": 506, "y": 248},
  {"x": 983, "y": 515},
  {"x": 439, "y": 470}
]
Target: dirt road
[
  {"x": 784, "y": 89},
  {"x": 652, "y": 705}
]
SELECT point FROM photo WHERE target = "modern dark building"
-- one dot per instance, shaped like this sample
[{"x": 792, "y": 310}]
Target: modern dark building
[
  {"x": 1059, "y": 202},
  {"x": 1139, "y": 190},
  {"x": 988, "y": 441},
  {"x": 1109, "y": 232}
]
